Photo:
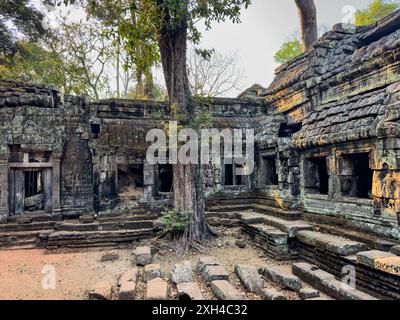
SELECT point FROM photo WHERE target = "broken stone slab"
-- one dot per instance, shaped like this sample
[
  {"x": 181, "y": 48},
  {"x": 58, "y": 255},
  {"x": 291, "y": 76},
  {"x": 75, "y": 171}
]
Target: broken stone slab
[
  {"x": 327, "y": 283},
  {"x": 143, "y": 256},
  {"x": 331, "y": 243},
  {"x": 189, "y": 290},
  {"x": 284, "y": 278},
  {"x": 127, "y": 285},
  {"x": 389, "y": 265},
  {"x": 213, "y": 273},
  {"x": 206, "y": 261},
  {"x": 34, "y": 201},
  {"x": 250, "y": 278},
  {"x": 395, "y": 250},
  {"x": 109, "y": 256},
  {"x": 368, "y": 257},
  {"x": 182, "y": 272},
  {"x": 224, "y": 290},
  {"x": 101, "y": 291},
  {"x": 309, "y": 293},
  {"x": 251, "y": 218},
  {"x": 273, "y": 294},
  {"x": 152, "y": 271},
  {"x": 157, "y": 289}
]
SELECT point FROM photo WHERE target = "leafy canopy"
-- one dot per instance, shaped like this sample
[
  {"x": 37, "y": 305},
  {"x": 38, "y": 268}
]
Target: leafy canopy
[
  {"x": 288, "y": 51},
  {"x": 19, "y": 19},
  {"x": 377, "y": 10},
  {"x": 139, "y": 23}
]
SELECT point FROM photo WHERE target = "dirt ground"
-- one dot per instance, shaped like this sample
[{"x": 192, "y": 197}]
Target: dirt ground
[{"x": 23, "y": 272}]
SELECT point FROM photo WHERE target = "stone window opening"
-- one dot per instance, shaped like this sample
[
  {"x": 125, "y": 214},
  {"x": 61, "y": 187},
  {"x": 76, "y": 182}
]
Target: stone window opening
[
  {"x": 316, "y": 177},
  {"x": 270, "y": 172},
  {"x": 130, "y": 181},
  {"x": 231, "y": 178},
  {"x": 355, "y": 176},
  {"x": 287, "y": 130}
]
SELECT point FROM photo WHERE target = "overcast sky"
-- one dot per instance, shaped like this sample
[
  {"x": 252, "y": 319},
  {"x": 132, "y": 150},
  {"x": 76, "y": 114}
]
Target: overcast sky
[{"x": 265, "y": 26}]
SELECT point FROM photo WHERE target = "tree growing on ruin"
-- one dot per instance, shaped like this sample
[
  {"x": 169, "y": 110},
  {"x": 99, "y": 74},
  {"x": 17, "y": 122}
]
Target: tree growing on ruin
[
  {"x": 308, "y": 22},
  {"x": 172, "y": 23},
  {"x": 215, "y": 74}
]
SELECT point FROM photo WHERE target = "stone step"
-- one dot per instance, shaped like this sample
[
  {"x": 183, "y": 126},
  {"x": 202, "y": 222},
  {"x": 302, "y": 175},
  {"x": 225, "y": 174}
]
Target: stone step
[
  {"x": 278, "y": 212},
  {"x": 271, "y": 240},
  {"x": 229, "y": 207},
  {"x": 18, "y": 227},
  {"x": 282, "y": 277},
  {"x": 395, "y": 250},
  {"x": 81, "y": 239},
  {"x": 327, "y": 283},
  {"x": 224, "y": 290},
  {"x": 288, "y": 226},
  {"x": 370, "y": 240},
  {"x": 379, "y": 260},
  {"x": 103, "y": 226},
  {"x": 334, "y": 244}
]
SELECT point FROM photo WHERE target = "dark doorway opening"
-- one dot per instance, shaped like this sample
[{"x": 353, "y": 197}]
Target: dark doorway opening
[
  {"x": 33, "y": 185},
  {"x": 228, "y": 181},
  {"x": 130, "y": 181},
  {"x": 270, "y": 173},
  {"x": 165, "y": 178}
]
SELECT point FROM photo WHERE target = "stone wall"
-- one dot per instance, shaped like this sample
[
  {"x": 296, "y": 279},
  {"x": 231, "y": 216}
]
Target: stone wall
[{"x": 338, "y": 104}]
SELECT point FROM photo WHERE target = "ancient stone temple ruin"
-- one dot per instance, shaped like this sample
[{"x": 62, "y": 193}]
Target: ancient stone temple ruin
[{"x": 326, "y": 187}]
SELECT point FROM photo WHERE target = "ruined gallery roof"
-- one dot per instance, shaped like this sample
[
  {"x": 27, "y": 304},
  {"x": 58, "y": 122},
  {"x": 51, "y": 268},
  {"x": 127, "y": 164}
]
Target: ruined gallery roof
[{"x": 352, "y": 70}]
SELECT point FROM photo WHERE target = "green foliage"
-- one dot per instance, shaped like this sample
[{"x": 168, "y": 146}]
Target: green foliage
[
  {"x": 202, "y": 120},
  {"x": 33, "y": 63},
  {"x": 289, "y": 50},
  {"x": 173, "y": 222},
  {"x": 377, "y": 10},
  {"x": 19, "y": 17}
]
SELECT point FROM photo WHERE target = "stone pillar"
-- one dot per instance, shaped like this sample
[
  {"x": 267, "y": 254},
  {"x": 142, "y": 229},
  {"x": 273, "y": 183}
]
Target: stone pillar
[
  {"x": 148, "y": 181},
  {"x": 56, "y": 188},
  {"x": 19, "y": 185},
  {"x": 4, "y": 207},
  {"x": 47, "y": 190}
]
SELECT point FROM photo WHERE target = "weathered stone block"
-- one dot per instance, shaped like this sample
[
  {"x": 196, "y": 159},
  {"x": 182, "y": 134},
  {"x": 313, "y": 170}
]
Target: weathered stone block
[
  {"x": 212, "y": 273},
  {"x": 395, "y": 250},
  {"x": 206, "y": 261},
  {"x": 109, "y": 256},
  {"x": 223, "y": 290},
  {"x": 143, "y": 256},
  {"x": 189, "y": 290},
  {"x": 285, "y": 279},
  {"x": 309, "y": 293},
  {"x": 157, "y": 289},
  {"x": 250, "y": 278},
  {"x": 182, "y": 272},
  {"x": 368, "y": 258},
  {"x": 152, "y": 271},
  {"x": 127, "y": 284},
  {"x": 273, "y": 294}
]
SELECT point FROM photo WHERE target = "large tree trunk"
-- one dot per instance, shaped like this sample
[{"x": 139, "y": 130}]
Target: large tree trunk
[
  {"x": 308, "y": 22},
  {"x": 188, "y": 182}
]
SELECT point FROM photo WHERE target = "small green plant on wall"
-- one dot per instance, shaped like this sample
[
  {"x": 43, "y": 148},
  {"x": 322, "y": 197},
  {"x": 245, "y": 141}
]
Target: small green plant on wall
[{"x": 173, "y": 222}]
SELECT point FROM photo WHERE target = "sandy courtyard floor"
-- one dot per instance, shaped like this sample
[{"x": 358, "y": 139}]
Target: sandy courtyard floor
[{"x": 23, "y": 272}]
